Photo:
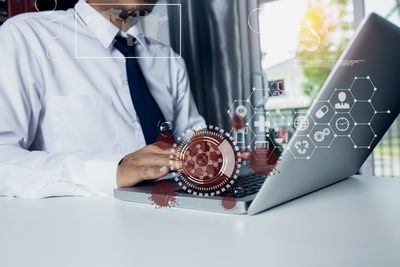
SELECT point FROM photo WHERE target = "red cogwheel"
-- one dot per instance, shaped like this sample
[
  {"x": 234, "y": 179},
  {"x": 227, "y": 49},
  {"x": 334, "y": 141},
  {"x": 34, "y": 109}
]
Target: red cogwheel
[
  {"x": 165, "y": 142},
  {"x": 264, "y": 161},
  {"x": 208, "y": 162},
  {"x": 238, "y": 122},
  {"x": 164, "y": 195},
  {"x": 228, "y": 202}
]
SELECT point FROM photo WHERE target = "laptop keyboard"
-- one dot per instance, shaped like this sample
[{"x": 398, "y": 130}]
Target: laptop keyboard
[{"x": 245, "y": 186}]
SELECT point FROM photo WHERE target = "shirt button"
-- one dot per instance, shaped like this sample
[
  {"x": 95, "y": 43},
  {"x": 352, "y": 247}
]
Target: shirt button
[{"x": 125, "y": 82}]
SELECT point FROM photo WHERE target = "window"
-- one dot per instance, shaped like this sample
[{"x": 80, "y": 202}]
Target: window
[
  {"x": 389, "y": 9},
  {"x": 301, "y": 41}
]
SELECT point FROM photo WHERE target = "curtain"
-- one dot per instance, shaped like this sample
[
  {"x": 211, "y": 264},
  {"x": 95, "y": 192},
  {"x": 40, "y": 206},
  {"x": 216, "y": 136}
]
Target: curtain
[{"x": 213, "y": 45}]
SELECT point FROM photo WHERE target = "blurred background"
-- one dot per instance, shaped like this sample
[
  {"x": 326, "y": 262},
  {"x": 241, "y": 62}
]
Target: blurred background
[
  {"x": 271, "y": 56},
  {"x": 304, "y": 72}
]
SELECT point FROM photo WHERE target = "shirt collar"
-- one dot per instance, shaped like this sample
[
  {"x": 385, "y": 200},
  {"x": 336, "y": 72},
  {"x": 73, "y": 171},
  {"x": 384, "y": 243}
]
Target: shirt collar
[{"x": 104, "y": 30}]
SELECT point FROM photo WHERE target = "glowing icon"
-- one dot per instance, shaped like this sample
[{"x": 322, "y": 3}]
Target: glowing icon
[
  {"x": 281, "y": 136},
  {"x": 262, "y": 124},
  {"x": 166, "y": 128},
  {"x": 342, "y": 105},
  {"x": 322, "y": 112},
  {"x": 241, "y": 111},
  {"x": 308, "y": 38},
  {"x": 277, "y": 89},
  {"x": 320, "y": 135},
  {"x": 241, "y": 135},
  {"x": 301, "y": 123},
  {"x": 302, "y": 146},
  {"x": 37, "y": 8},
  {"x": 342, "y": 124},
  {"x": 262, "y": 144}
]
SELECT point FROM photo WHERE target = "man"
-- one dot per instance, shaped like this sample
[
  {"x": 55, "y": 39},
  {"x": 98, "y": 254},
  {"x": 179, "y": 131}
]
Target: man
[{"x": 80, "y": 90}]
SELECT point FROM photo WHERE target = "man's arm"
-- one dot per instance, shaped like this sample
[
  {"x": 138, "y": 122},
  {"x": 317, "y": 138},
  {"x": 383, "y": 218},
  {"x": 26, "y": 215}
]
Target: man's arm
[{"x": 38, "y": 174}]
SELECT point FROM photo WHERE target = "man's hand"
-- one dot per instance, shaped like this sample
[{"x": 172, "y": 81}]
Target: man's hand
[{"x": 149, "y": 163}]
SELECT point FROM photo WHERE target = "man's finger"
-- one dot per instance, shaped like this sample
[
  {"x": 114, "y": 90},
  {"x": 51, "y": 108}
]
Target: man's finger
[
  {"x": 157, "y": 150},
  {"x": 153, "y": 160},
  {"x": 152, "y": 173},
  {"x": 245, "y": 155}
]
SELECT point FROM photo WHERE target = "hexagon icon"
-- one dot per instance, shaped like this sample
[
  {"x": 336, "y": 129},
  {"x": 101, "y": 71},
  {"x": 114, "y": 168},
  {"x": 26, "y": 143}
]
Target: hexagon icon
[
  {"x": 302, "y": 147},
  {"x": 362, "y": 136},
  {"x": 362, "y": 112},
  {"x": 259, "y": 97},
  {"x": 362, "y": 88},
  {"x": 262, "y": 122},
  {"x": 242, "y": 108},
  {"x": 272, "y": 140},
  {"x": 302, "y": 123},
  {"x": 281, "y": 117},
  {"x": 243, "y": 137},
  {"x": 342, "y": 100},
  {"x": 280, "y": 136},
  {"x": 263, "y": 141},
  {"x": 342, "y": 124},
  {"x": 322, "y": 136},
  {"x": 322, "y": 112}
]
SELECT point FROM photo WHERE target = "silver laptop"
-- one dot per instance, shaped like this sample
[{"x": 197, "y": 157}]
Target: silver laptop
[{"x": 356, "y": 106}]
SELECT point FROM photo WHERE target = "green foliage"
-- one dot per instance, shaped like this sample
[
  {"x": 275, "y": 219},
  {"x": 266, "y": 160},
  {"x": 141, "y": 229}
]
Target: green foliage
[
  {"x": 318, "y": 64},
  {"x": 395, "y": 9}
]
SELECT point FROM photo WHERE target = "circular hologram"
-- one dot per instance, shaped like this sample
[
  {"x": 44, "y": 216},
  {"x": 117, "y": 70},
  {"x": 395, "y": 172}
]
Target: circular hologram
[
  {"x": 54, "y": 29},
  {"x": 54, "y": 52},
  {"x": 308, "y": 38},
  {"x": 342, "y": 124},
  {"x": 302, "y": 123},
  {"x": 252, "y": 20},
  {"x": 207, "y": 163},
  {"x": 164, "y": 195},
  {"x": 37, "y": 8}
]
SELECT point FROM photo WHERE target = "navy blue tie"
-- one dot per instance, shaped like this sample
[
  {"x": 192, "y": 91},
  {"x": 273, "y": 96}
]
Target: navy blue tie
[{"x": 147, "y": 109}]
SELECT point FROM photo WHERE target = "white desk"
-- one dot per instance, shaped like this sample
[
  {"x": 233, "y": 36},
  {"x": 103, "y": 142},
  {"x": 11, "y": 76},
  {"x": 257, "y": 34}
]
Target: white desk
[{"x": 353, "y": 223}]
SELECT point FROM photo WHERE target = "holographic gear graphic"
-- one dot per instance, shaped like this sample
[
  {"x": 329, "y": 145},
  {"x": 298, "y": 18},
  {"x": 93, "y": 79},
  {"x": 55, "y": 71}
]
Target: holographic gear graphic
[
  {"x": 164, "y": 195},
  {"x": 301, "y": 123},
  {"x": 207, "y": 162},
  {"x": 264, "y": 161},
  {"x": 238, "y": 122},
  {"x": 319, "y": 137},
  {"x": 165, "y": 142}
]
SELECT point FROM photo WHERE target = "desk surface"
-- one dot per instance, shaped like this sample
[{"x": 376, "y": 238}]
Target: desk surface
[{"x": 353, "y": 223}]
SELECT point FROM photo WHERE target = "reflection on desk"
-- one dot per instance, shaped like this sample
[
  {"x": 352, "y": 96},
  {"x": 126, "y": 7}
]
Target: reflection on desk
[{"x": 353, "y": 223}]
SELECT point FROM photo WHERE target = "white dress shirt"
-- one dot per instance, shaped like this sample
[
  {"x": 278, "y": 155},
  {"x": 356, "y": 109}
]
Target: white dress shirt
[{"x": 67, "y": 117}]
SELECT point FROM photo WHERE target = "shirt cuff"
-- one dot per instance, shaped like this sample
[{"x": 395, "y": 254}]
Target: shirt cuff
[{"x": 101, "y": 174}]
